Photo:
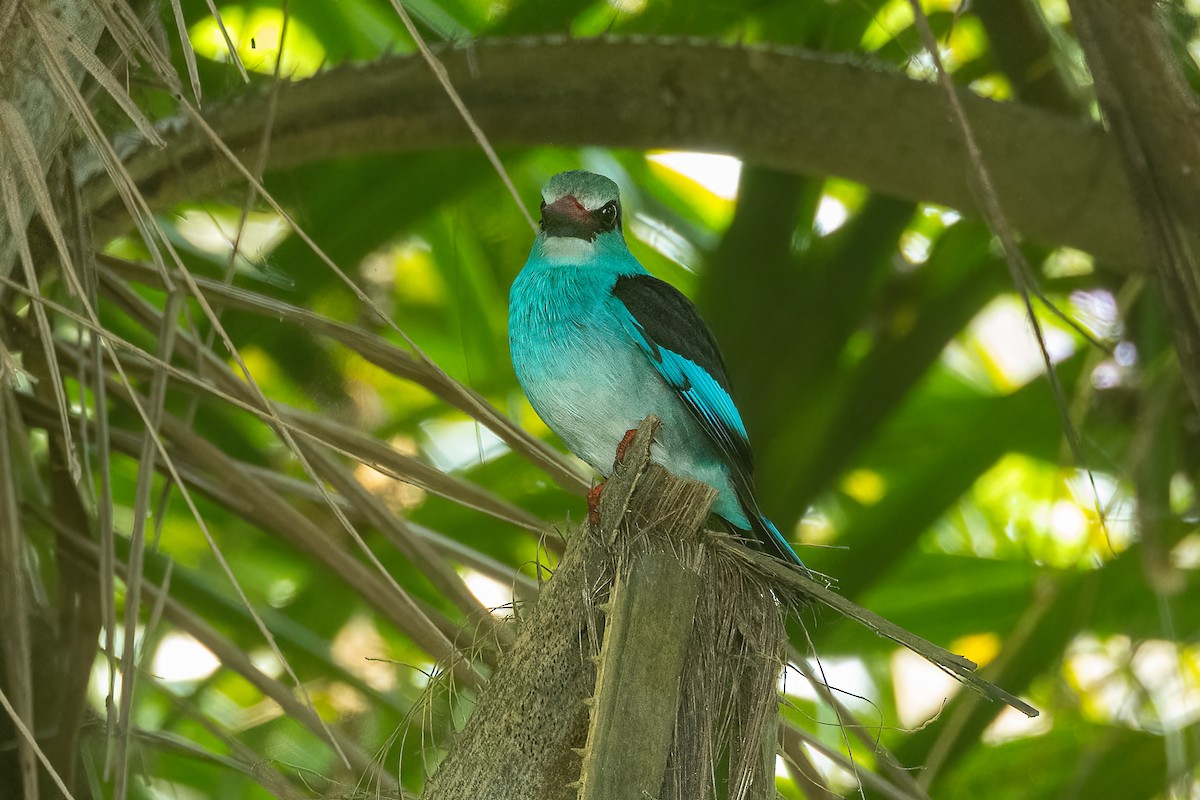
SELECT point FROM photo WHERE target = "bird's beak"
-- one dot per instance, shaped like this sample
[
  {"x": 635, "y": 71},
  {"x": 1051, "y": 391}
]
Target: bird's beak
[{"x": 566, "y": 216}]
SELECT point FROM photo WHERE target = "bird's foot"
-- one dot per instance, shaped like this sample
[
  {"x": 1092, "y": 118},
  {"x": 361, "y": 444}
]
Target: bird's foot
[
  {"x": 593, "y": 497},
  {"x": 593, "y": 503},
  {"x": 623, "y": 445}
]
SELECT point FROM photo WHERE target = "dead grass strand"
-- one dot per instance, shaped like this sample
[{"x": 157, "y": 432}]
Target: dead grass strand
[
  {"x": 17, "y": 651},
  {"x": 385, "y": 355},
  {"x": 51, "y": 31},
  {"x": 185, "y": 45},
  {"x": 1014, "y": 258},
  {"x": 8, "y": 191},
  {"x": 234, "y": 57},
  {"x": 439, "y": 71},
  {"x": 27, "y": 737},
  {"x": 137, "y": 545}
]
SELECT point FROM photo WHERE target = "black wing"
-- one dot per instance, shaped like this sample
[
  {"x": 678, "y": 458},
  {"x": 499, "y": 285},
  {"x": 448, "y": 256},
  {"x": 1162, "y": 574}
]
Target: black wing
[{"x": 667, "y": 327}]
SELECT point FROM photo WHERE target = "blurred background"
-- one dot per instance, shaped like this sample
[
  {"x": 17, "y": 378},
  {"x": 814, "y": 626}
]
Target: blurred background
[{"x": 345, "y": 487}]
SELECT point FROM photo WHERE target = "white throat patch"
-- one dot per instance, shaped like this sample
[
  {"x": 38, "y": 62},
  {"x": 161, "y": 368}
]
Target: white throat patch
[{"x": 567, "y": 250}]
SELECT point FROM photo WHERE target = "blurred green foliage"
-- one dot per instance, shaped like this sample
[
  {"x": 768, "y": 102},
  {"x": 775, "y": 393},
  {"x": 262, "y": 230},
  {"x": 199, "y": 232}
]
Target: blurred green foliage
[{"x": 905, "y": 433}]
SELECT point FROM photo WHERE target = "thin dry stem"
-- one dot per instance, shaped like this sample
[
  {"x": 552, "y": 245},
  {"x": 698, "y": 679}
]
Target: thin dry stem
[
  {"x": 387, "y": 356},
  {"x": 1014, "y": 257},
  {"x": 899, "y": 774},
  {"x": 52, "y": 33},
  {"x": 8, "y": 192},
  {"x": 85, "y": 118},
  {"x": 234, "y": 657},
  {"x": 16, "y": 655},
  {"x": 27, "y": 736},
  {"x": 339, "y": 438},
  {"x": 185, "y": 44},
  {"x": 234, "y": 56},
  {"x": 793, "y": 736},
  {"x": 137, "y": 544},
  {"x": 439, "y": 71}
]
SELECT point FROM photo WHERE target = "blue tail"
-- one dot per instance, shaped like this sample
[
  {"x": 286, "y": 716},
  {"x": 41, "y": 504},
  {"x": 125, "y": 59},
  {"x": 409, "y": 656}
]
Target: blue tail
[{"x": 771, "y": 539}]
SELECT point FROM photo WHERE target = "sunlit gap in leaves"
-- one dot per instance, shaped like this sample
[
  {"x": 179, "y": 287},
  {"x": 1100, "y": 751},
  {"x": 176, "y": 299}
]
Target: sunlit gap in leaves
[
  {"x": 815, "y": 528},
  {"x": 360, "y": 649},
  {"x": 922, "y": 690},
  {"x": 491, "y": 593},
  {"x": 1097, "y": 310},
  {"x": 1193, "y": 49},
  {"x": 916, "y": 243},
  {"x": 896, "y": 16},
  {"x": 1150, "y": 685},
  {"x": 840, "y": 200},
  {"x": 1056, "y": 12},
  {"x": 866, "y": 486},
  {"x": 831, "y": 215},
  {"x": 848, "y": 676},
  {"x": 993, "y": 86},
  {"x": 851, "y": 682},
  {"x": 179, "y": 658},
  {"x": 407, "y": 268},
  {"x": 1067, "y": 262},
  {"x": 708, "y": 181},
  {"x": 213, "y": 230},
  {"x": 966, "y": 42},
  {"x": 1186, "y": 553},
  {"x": 458, "y": 444},
  {"x": 403, "y": 277},
  {"x": 838, "y": 779},
  {"x": 1025, "y": 508},
  {"x": 98, "y": 683},
  {"x": 629, "y": 7},
  {"x": 256, "y": 35},
  {"x": 1182, "y": 501},
  {"x": 998, "y": 352},
  {"x": 396, "y": 494},
  {"x": 717, "y": 173}
]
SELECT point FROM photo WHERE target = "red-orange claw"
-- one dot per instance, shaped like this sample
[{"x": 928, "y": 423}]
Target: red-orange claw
[
  {"x": 626, "y": 440},
  {"x": 593, "y": 503}
]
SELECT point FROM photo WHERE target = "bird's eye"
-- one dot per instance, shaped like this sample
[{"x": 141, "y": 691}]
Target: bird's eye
[{"x": 608, "y": 213}]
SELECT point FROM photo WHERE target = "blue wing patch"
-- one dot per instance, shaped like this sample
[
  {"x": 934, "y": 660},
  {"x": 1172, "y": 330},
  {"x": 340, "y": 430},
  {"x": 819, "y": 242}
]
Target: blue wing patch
[
  {"x": 665, "y": 325},
  {"x": 705, "y": 398}
]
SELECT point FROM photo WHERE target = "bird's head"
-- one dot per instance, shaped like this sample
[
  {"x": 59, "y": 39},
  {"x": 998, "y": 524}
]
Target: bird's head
[{"x": 580, "y": 205}]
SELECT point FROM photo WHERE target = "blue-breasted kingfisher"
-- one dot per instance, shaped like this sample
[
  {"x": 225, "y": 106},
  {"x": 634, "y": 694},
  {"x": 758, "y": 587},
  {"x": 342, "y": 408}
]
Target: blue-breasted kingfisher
[{"x": 598, "y": 344}]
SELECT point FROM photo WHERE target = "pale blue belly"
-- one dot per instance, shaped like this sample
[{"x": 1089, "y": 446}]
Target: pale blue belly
[{"x": 591, "y": 385}]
